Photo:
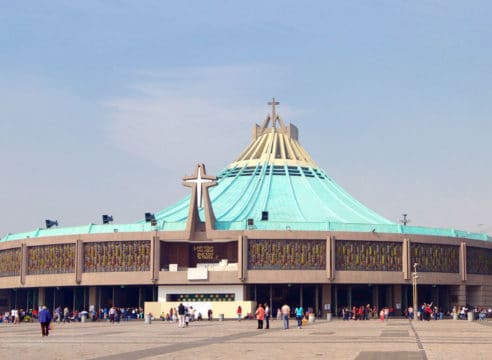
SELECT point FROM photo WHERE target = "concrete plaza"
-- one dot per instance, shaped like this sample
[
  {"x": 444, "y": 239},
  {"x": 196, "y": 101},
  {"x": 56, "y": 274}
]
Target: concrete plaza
[{"x": 361, "y": 340}]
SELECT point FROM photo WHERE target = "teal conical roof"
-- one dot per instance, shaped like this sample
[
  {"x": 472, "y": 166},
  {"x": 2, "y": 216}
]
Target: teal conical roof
[
  {"x": 275, "y": 183},
  {"x": 275, "y": 174}
]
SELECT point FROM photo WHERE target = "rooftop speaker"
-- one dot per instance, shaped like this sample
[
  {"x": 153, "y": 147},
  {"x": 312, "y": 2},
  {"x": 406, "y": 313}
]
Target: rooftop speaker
[
  {"x": 264, "y": 215},
  {"x": 251, "y": 222},
  {"x": 51, "y": 223},
  {"x": 149, "y": 217},
  {"x": 107, "y": 219}
]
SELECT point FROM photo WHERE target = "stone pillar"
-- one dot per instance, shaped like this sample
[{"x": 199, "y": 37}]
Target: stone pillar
[
  {"x": 326, "y": 299},
  {"x": 79, "y": 260},
  {"x": 397, "y": 299},
  {"x": 316, "y": 300},
  {"x": 330, "y": 258},
  {"x": 23, "y": 270},
  {"x": 389, "y": 295},
  {"x": 375, "y": 296},
  {"x": 463, "y": 261},
  {"x": 41, "y": 296},
  {"x": 458, "y": 295},
  {"x": 155, "y": 264},
  {"x": 406, "y": 259},
  {"x": 462, "y": 295},
  {"x": 93, "y": 297},
  {"x": 242, "y": 257}
]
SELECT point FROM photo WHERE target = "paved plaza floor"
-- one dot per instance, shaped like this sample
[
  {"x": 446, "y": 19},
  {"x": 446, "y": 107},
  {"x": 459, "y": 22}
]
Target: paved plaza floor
[{"x": 361, "y": 340}]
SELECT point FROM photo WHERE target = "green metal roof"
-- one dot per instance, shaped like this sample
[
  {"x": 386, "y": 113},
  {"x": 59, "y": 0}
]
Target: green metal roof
[{"x": 274, "y": 174}]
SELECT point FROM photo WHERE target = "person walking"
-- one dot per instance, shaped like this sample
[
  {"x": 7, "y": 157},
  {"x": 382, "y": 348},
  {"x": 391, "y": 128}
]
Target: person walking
[
  {"x": 285, "y": 316},
  {"x": 181, "y": 315},
  {"x": 45, "y": 320},
  {"x": 299, "y": 314},
  {"x": 267, "y": 316},
  {"x": 239, "y": 312}
]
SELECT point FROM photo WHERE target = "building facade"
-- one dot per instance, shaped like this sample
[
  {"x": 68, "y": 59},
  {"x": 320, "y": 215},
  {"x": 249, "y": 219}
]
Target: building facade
[{"x": 271, "y": 227}]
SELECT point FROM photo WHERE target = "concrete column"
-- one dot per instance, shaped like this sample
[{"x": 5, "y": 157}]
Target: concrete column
[
  {"x": 93, "y": 297},
  {"x": 155, "y": 264},
  {"x": 241, "y": 257},
  {"x": 330, "y": 258},
  {"x": 397, "y": 298},
  {"x": 242, "y": 248},
  {"x": 463, "y": 274},
  {"x": 375, "y": 295},
  {"x": 389, "y": 295},
  {"x": 406, "y": 259},
  {"x": 463, "y": 294},
  {"x": 23, "y": 270},
  {"x": 79, "y": 260},
  {"x": 41, "y": 296},
  {"x": 316, "y": 299},
  {"x": 326, "y": 298}
]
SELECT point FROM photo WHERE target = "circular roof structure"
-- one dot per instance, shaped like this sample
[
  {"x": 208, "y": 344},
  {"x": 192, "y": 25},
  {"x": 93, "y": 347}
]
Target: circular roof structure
[{"x": 273, "y": 184}]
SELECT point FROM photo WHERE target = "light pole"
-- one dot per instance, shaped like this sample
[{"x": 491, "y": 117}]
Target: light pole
[{"x": 414, "y": 284}]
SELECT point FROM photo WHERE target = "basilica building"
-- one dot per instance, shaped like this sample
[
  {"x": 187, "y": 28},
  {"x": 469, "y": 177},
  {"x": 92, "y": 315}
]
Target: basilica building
[{"x": 271, "y": 227}]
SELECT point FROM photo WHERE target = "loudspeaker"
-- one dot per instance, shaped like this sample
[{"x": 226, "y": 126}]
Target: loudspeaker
[
  {"x": 264, "y": 215},
  {"x": 50, "y": 223},
  {"x": 107, "y": 219},
  {"x": 149, "y": 217},
  {"x": 251, "y": 222}
]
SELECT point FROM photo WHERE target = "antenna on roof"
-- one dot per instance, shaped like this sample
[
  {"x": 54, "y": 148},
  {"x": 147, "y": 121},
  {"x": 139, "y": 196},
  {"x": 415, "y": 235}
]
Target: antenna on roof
[{"x": 405, "y": 221}]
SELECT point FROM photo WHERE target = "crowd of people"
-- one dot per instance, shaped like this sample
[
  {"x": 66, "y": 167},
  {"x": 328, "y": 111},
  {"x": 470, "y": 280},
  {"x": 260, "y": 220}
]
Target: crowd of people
[
  {"x": 16, "y": 316},
  {"x": 365, "y": 312},
  {"x": 183, "y": 314},
  {"x": 65, "y": 315},
  {"x": 284, "y": 313}
]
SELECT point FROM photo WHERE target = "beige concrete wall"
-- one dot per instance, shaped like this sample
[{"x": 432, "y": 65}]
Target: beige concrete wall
[
  {"x": 214, "y": 277},
  {"x": 286, "y": 276},
  {"x": 244, "y": 276}
]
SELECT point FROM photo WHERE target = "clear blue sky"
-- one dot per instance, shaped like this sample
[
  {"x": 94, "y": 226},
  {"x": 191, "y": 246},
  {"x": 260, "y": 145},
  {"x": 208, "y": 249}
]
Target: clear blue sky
[{"x": 106, "y": 105}]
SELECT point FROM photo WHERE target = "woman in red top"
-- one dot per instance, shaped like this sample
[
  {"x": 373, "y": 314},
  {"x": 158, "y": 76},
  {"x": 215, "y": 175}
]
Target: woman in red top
[{"x": 239, "y": 312}]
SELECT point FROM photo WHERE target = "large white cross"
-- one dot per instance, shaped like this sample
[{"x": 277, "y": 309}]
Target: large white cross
[{"x": 199, "y": 181}]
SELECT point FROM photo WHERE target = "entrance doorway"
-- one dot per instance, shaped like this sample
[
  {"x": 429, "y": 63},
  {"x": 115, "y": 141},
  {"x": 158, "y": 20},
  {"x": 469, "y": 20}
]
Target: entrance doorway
[{"x": 308, "y": 296}]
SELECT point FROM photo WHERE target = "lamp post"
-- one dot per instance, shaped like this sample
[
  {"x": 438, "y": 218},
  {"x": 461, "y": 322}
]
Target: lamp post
[{"x": 414, "y": 284}]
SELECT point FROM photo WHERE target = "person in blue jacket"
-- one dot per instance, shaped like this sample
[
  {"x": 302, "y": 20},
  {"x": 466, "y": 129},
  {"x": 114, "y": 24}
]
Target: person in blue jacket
[{"x": 45, "y": 320}]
